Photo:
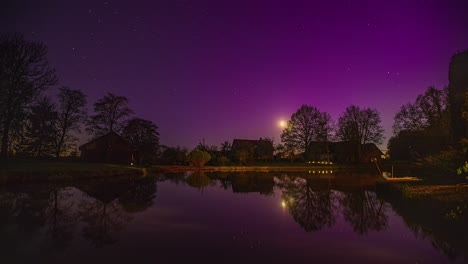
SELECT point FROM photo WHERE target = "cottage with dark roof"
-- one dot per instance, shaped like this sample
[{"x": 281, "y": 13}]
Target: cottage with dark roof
[
  {"x": 344, "y": 152},
  {"x": 109, "y": 148}
]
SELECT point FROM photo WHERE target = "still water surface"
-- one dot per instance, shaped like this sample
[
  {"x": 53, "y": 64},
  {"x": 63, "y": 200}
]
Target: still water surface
[{"x": 213, "y": 218}]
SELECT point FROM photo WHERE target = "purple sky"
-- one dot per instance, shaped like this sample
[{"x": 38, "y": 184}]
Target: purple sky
[{"x": 231, "y": 69}]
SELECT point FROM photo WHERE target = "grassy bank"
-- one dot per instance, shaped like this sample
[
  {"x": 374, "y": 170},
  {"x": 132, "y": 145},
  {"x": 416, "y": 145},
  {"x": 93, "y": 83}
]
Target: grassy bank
[
  {"x": 268, "y": 168},
  {"x": 240, "y": 168},
  {"x": 430, "y": 191},
  {"x": 44, "y": 171},
  {"x": 437, "y": 211}
]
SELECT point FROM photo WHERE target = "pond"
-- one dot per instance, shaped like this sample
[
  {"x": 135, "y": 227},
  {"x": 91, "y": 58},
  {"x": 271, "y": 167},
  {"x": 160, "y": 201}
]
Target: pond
[{"x": 297, "y": 217}]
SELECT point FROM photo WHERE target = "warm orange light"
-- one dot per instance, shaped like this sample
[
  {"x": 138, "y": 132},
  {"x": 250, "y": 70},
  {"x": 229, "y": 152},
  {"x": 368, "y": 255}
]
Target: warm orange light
[{"x": 282, "y": 123}]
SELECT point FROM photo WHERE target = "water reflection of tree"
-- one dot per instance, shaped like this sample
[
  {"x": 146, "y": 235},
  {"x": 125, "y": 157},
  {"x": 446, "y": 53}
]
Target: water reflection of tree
[
  {"x": 101, "y": 211},
  {"x": 26, "y": 212},
  {"x": 364, "y": 211},
  {"x": 104, "y": 220},
  {"x": 432, "y": 221},
  {"x": 60, "y": 219},
  {"x": 311, "y": 207},
  {"x": 23, "y": 210},
  {"x": 10, "y": 205},
  {"x": 140, "y": 196},
  {"x": 222, "y": 178}
]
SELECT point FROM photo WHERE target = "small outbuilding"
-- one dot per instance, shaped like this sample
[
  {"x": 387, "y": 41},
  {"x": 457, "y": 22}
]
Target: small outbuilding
[{"x": 109, "y": 148}]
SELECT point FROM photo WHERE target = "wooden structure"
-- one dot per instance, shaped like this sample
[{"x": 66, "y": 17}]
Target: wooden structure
[
  {"x": 344, "y": 152},
  {"x": 109, "y": 148}
]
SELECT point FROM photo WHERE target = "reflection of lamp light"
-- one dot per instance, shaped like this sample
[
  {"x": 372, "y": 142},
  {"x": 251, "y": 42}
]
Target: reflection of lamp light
[{"x": 283, "y": 204}]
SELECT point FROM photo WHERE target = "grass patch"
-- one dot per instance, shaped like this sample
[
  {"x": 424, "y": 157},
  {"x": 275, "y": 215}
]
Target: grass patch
[{"x": 42, "y": 171}]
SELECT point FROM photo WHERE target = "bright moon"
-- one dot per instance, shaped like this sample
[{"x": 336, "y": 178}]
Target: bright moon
[{"x": 282, "y": 123}]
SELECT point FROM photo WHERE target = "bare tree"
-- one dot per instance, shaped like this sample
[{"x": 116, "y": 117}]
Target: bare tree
[
  {"x": 421, "y": 128},
  {"x": 24, "y": 73},
  {"x": 111, "y": 112},
  {"x": 360, "y": 125},
  {"x": 430, "y": 110},
  {"x": 71, "y": 113},
  {"x": 40, "y": 129},
  {"x": 307, "y": 125}
]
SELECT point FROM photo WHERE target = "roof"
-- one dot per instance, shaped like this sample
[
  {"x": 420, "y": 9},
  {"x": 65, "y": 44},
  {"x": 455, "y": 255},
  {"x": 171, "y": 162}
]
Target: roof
[{"x": 109, "y": 134}]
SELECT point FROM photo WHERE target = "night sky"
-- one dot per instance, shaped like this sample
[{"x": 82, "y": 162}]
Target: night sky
[{"x": 220, "y": 70}]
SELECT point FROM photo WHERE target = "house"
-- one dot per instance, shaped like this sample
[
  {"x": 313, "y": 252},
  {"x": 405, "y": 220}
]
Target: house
[
  {"x": 370, "y": 152},
  {"x": 343, "y": 152},
  {"x": 261, "y": 149},
  {"x": 252, "y": 182},
  {"x": 109, "y": 148}
]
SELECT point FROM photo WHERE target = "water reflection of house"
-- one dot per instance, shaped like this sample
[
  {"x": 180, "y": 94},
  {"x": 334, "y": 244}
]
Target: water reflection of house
[
  {"x": 261, "y": 149},
  {"x": 344, "y": 152},
  {"x": 109, "y": 148},
  {"x": 246, "y": 183}
]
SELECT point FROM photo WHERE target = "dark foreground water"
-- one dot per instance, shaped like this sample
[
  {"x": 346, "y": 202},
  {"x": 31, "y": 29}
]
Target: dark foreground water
[{"x": 218, "y": 218}]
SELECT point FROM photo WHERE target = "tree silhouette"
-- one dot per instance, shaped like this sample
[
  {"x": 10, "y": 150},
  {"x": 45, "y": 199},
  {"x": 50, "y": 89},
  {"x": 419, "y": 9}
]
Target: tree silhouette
[
  {"x": 360, "y": 125},
  {"x": 111, "y": 113},
  {"x": 421, "y": 128},
  {"x": 71, "y": 113},
  {"x": 458, "y": 86},
  {"x": 306, "y": 125},
  {"x": 24, "y": 73},
  {"x": 429, "y": 110},
  {"x": 143, "y": 135},
  {"x": 40, "y": 129},
  {"x": 226, "y": 148},
  {"x": 173, "y": 155}
]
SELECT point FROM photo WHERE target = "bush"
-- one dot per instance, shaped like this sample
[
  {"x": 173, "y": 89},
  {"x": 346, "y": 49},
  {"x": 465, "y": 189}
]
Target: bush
[
  {"x": 463, "y": 170},
  {"x": 199, "y": 158},
  {"x": 446, "y": 161},
  {"x": 223, "y": 161}
]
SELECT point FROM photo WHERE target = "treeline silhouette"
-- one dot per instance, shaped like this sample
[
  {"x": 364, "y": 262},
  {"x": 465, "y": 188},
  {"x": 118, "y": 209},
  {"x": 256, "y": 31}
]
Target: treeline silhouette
[
  {"x": 33, "y": 125},
  {"x": 432, "y": 130}
]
